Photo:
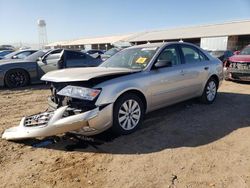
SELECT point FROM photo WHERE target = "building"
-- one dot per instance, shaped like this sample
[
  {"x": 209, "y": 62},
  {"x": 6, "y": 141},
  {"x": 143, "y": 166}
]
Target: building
[
  {"x": 102, "y": 43},
  {"x": 231, "y": 35}
]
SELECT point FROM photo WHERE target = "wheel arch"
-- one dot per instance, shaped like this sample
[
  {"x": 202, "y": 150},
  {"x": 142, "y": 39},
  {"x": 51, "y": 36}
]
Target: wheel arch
[
  {"x": 136, "y": 92},
  {"x": 214, "y": 76}
]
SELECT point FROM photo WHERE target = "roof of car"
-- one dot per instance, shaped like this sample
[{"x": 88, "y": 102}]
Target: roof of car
[{"x": 159, "y": 44}]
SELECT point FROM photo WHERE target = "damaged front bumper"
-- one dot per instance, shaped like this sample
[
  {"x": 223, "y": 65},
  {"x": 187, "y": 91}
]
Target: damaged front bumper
[
  {"x": 56, "y": 122},
  {"x": 237, "y": 75}
]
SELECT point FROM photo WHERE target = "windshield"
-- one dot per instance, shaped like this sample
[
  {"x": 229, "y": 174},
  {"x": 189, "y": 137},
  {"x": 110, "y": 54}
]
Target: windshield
[
  {"x": 134, "y": 58},
  {"x": 4, "y": 53},
  {"x": 8, "y": 56},
  {"x": 36, "y": 55},
  {"x": 245, "y": 51}
]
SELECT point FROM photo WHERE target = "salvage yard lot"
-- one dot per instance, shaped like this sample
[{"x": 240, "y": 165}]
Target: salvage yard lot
[{"x": 185, "y": 145}]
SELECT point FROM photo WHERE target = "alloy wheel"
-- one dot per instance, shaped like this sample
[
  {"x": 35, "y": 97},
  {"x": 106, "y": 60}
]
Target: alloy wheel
[
  {"x": 211, "y": 91},
  {"x": 129, "y": 114}
]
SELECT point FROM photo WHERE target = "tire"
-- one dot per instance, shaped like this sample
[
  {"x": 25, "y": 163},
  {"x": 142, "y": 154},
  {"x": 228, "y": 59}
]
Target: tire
[
  {"x": 210, "y": 91},
  {"x": 126, "y": 121},
  {"x": 16, "y": 78}
]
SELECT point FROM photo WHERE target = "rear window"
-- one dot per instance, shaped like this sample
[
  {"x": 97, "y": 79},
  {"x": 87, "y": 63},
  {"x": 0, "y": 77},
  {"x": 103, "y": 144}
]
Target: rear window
[{"x": 192, "y": 55}]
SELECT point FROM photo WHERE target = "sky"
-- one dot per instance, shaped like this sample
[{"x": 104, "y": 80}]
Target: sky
[{"x": 72, "y": 19}]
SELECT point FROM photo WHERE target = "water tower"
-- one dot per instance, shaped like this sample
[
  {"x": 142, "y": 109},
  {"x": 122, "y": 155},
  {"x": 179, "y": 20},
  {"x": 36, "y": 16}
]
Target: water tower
[{"x": 42, "y": 33}]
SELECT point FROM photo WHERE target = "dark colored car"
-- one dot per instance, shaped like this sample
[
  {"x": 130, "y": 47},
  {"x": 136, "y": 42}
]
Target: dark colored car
[
  {"x": 20, "y": 54},
  {"x": 222, "y": 55},
  {"x": 19, "y": 73},
  {"x": 95, "y": 51},
  {"x": 7, "y": 47},
  {"x": 4, "y": 53},
  {"x": 238, "y": 66}
]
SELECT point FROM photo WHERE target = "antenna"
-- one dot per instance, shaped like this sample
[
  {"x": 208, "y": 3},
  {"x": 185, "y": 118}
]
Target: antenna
[{"x": 42, "y": 33}]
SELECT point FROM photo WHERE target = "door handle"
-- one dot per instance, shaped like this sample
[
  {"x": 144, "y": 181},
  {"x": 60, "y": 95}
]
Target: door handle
[{"x": 206, "y": 68}]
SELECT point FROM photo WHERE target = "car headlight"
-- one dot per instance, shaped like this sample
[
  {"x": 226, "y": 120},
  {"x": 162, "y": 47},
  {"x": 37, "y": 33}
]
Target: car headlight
[{"x": 79, "y": 92}]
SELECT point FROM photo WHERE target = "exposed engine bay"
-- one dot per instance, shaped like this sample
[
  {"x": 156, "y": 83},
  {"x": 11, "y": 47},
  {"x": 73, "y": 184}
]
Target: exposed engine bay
[{"x": 66, "y": 114}]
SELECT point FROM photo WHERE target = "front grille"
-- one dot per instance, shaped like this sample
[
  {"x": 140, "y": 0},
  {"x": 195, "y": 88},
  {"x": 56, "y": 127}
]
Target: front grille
[
  {"x": 38, "y": 119},
  {"x": 239, "y": 66}
]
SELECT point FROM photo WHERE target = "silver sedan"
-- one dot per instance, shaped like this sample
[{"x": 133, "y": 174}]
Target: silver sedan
[{"x": 117, "y": 94}]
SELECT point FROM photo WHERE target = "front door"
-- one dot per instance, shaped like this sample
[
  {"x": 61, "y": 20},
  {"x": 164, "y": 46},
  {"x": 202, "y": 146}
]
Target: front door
[
  {"x": 50, "y": 62},
  {"x": 167, "y": 83}
]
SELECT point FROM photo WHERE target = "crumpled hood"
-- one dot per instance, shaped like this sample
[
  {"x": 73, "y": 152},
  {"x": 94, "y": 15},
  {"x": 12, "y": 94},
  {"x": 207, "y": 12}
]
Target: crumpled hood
[
  {"x": 83, "y": 74},
  {"x": 240, "y": 58}
]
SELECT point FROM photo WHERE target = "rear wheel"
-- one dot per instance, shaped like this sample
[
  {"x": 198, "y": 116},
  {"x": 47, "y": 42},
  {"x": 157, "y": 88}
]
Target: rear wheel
[
  {"x": 128, "y": 114},
  {"x": 210, "y": 91},
  {"x": 16, "y": 78}
]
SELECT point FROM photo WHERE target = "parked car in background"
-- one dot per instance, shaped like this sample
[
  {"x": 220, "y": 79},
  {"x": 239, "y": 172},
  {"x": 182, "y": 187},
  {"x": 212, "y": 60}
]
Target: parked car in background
[
  {"x": 20, "y": 54},
  {"x": 7, "y": 47},
  {"x": 24, "y": 48},
  {"x": 222, "y": 55},
  {"x": 21, "y": 72},
  {"x": 238, "y": 66},
  {"x": 4, "y": 53},
  {"x": 118, "y": 93},
  {"x": 95, "y": 51}
]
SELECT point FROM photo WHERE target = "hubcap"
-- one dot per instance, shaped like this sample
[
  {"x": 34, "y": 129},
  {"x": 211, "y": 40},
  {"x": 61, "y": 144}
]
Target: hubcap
[
  {"x": 129, "y": 114},
  {"x": 211, "y": 91}
]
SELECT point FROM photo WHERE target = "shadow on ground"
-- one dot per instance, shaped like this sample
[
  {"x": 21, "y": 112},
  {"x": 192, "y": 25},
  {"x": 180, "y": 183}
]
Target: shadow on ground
[{"x": 187, "y": 124}]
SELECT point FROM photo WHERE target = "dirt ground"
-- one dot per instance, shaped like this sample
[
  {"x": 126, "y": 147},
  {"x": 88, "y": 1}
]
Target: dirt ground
[{"x": 185, "y": 145}]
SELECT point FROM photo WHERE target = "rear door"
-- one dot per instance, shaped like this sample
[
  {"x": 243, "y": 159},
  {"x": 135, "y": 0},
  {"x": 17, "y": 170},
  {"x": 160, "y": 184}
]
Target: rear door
[{"x": 195, "y": 69}]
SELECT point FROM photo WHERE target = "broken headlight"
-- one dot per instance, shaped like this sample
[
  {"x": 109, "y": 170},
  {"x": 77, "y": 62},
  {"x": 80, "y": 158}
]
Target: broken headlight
[{"x": 79, "y": 92}]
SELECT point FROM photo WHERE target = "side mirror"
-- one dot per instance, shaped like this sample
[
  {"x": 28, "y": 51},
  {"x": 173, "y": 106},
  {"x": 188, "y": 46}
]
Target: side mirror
[
  {"x": 237, "y": 52},
  {"x": 162, "y": 63},
  {"x": 14, "y": 57}
]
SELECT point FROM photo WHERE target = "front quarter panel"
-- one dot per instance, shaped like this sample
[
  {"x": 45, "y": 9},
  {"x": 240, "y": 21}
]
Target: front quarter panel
[{"x": 114, "y": 88}]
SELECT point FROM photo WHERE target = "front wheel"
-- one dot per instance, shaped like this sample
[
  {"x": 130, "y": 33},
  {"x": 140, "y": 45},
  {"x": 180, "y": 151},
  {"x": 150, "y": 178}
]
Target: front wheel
[
  {"x": 210, "y": 91},
  {"x": 16, "y": 78},
  {"x": 128, "y": 114}
]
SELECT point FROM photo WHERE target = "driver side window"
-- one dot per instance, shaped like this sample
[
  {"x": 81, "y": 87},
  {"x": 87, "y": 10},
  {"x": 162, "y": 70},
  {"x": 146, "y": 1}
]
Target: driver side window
[
  {"x": 53, "y": 56},
  {"x": 170, "y": 54}
]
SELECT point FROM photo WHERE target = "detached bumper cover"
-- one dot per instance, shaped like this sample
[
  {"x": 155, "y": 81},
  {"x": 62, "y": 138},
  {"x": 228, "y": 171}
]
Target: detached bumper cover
[{"x": 53, "y": 123}]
